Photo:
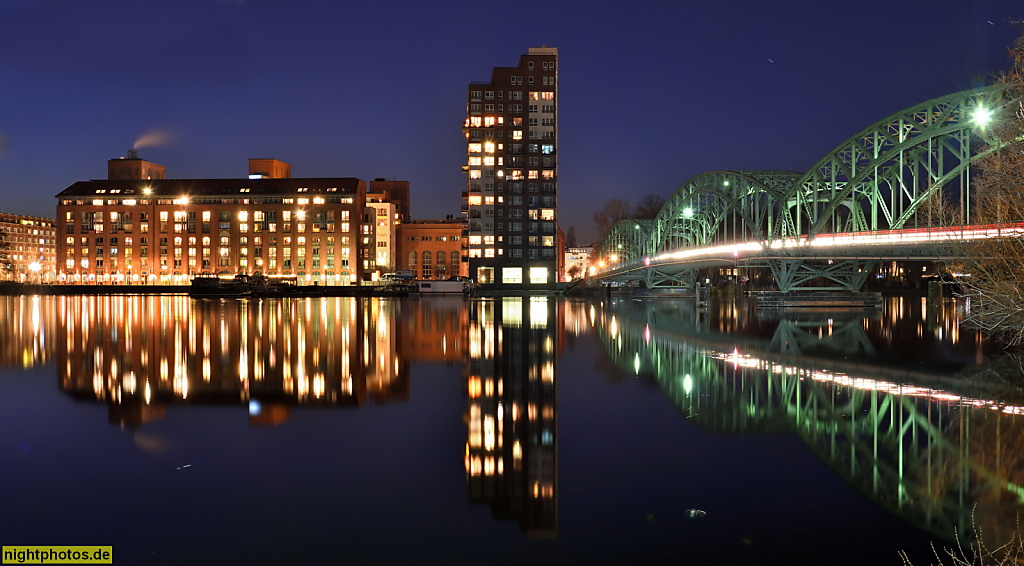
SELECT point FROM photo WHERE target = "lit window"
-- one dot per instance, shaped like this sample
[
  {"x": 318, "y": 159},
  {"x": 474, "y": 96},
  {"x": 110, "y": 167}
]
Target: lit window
[
  {"x": 474, "y": 174},
  {"x": 488, "y": 147},
  {"x": 476, "y": 161},
  {"x": 474, "y": 200},
  {"x": 477, "y": 148},
  {"x": 538, "y": 275},
  {"x": 512, "y": 275},
  {"x": 517, "y": 134}
]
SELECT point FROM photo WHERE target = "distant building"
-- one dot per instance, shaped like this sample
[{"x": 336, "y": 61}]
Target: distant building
[
  {"x": 431, "y": 249},
  {"x": 387, "y": 206},
  {"x": 395, "y": 192},
  {"x": 133, "y": 167},
  {"x": 577, "y": 257},
  {"x": 380, "y": 232},
  {"x": 511, "y": 193},
  {"x": 168, "y": 230},
  {"x": 30, "y": 244},
  {"x": 269, "y": 169}
]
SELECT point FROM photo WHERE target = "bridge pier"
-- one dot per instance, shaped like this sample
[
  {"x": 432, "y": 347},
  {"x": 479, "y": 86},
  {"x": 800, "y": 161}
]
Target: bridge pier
[{"x": 818, "y": 299}]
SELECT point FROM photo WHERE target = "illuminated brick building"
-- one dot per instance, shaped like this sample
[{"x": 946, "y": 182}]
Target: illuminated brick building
[
  {"x": 168, "y": 230},
  {"x": 31, "y": 248},
  {"x": 431, "y": 249},
  {"x": 512, "y": 174}
]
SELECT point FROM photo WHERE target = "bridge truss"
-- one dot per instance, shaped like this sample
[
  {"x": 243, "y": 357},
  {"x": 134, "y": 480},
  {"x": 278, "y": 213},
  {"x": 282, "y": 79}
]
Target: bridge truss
[{"x": 905, "y": 171}]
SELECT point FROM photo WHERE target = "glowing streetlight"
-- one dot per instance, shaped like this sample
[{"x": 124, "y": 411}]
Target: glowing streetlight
[
  {"x": 687, "y": 212},
  {"x": 981, "y": 116},
  {"x": 35, "y": 266}
]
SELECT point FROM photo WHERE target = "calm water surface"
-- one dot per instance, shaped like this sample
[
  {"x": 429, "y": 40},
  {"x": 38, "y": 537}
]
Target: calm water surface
[{"x": 338, "y": 430}]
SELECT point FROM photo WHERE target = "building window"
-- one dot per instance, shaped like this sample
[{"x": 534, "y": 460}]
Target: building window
[{"x": 512, "y": 275}]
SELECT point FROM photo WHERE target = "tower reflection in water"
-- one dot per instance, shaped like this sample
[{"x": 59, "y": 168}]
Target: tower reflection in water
[{"x": 512, "y": 450}]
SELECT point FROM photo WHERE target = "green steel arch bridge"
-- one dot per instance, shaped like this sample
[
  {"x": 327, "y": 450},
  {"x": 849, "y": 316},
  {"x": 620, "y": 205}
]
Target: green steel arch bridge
[
  {"x": 900, "y": 437},
  {"x": 875, "y": 197}
]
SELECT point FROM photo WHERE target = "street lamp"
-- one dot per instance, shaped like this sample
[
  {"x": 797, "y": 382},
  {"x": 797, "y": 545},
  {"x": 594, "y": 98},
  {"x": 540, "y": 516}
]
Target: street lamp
[
  {"x": 35, "y": 266},
  {"x": 981, "y": 116}
]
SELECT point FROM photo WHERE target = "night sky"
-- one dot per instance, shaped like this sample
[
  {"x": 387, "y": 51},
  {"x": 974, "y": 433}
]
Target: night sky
[{"x": 650, "y": 94}]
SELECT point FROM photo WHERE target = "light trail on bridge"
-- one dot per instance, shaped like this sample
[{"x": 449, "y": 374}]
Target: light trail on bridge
[
  {"x": 881, "y": 237},
  {"x": 865, "y": 383}
]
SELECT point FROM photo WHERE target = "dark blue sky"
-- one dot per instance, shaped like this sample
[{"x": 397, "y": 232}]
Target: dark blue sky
[{"x": 651, "y": 93}]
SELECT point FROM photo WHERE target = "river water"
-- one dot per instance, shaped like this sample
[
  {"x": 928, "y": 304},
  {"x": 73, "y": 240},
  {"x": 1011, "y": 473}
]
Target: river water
[{"x": 498, "y": 431}]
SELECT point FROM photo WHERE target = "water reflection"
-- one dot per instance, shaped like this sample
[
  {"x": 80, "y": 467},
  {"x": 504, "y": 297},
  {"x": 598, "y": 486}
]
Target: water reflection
[
  {"x": 927, "y": 446},
  {"x": 915, "y": 439},
  {"x": 140, "y": 353},
  {"x": 511, "y": 452},
  {"x": 26, "y": 324}
]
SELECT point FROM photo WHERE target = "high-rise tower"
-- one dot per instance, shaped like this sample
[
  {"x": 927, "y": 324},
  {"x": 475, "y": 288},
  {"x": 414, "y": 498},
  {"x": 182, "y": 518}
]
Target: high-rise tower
[{"x": 511, "y": 196}]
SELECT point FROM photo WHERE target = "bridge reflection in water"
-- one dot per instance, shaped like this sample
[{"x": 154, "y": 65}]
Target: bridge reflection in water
[{"x": 930, "y": 448}]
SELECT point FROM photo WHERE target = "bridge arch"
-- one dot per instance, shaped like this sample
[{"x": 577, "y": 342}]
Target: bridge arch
[{"x": 884, "y": 177}]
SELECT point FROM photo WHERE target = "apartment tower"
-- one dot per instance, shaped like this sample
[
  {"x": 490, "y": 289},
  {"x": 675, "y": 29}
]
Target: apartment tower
[{"x": 511, "y": 194}]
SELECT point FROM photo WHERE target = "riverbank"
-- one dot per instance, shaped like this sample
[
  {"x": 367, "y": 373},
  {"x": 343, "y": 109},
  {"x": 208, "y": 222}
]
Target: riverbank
[{"x": 298, "y": 291}]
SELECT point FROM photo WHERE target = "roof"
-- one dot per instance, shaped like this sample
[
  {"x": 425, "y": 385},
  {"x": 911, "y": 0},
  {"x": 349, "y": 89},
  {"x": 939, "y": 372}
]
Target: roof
[{"x": 198, "y": 187}]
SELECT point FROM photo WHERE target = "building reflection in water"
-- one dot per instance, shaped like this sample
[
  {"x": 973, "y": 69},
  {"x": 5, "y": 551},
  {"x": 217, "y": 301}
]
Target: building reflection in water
[
  {"x": 139, "y": 353},
  {"x": 941, "y": 452},
  {"x": 26, "y": 323},
  {"x": 142, "y": 354},
  {"x": 511, "y": 454}
]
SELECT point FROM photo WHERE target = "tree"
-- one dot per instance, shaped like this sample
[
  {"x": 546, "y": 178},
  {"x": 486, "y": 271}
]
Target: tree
[
  {"x": 570, "y": 237},
  {"x": 649, "y": 206},
  {"x": 614, "y": 210},
  {"x": 575, "y": 271},
  {"x": 995, "y": 286}
]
